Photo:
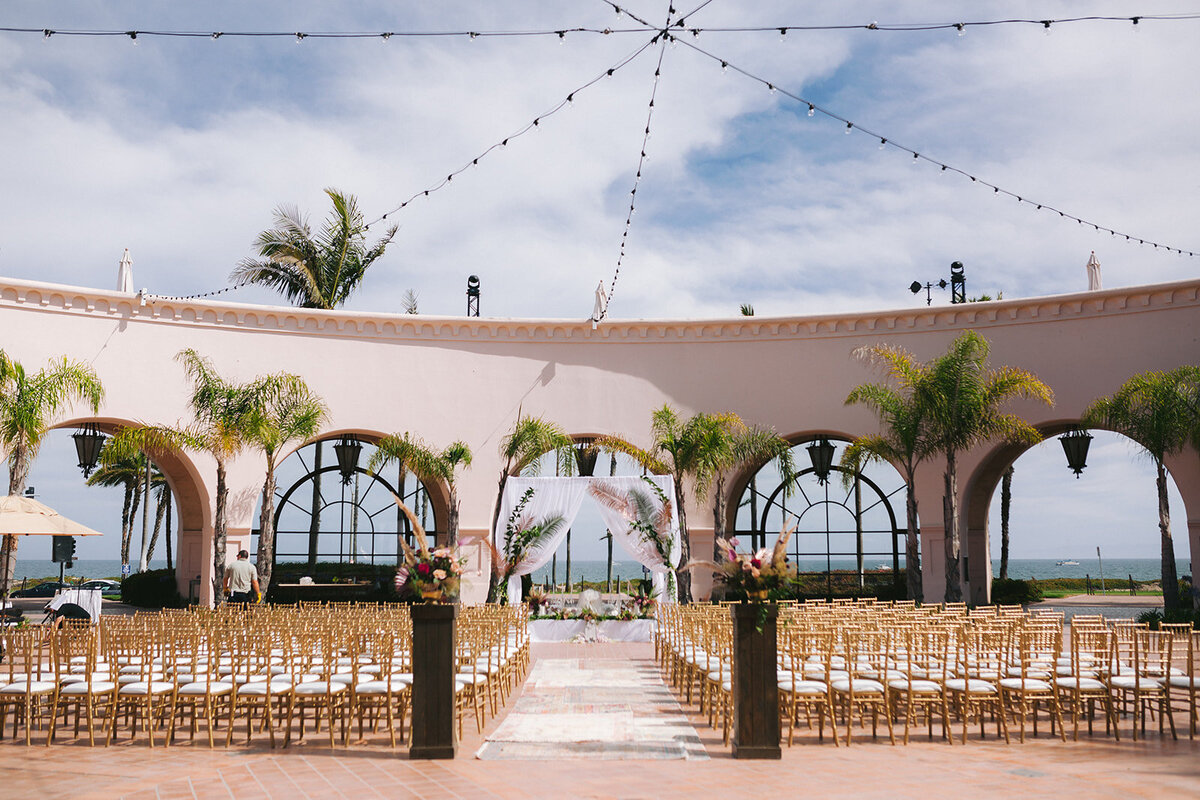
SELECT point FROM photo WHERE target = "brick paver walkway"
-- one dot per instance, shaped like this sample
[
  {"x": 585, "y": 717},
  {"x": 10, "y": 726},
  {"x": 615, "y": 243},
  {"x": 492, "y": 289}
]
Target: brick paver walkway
[{"x": 1096, "y": 768}]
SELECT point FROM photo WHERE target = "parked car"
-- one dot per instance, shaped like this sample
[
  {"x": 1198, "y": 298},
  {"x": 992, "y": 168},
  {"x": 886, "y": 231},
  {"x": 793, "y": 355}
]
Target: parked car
[
  {"x": 104, "y": 585},
  {"x": 44, "y": 589}
]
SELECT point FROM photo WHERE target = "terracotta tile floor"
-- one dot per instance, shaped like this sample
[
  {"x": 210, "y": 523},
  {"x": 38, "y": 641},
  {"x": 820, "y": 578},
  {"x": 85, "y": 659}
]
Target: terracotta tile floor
[{"x": 1097, "y": 768}]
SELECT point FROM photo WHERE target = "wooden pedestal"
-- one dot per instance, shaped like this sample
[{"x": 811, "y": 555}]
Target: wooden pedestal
[
  {"x": 433, "y": 730},
  {"x": 755, "y": 686}
]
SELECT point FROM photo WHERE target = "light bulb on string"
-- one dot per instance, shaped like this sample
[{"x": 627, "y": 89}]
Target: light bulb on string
[
  {"x": 882, "y": 143},
  {"x": 562, "y": 36},
  {"x": 849, "y": 127},
  {"x": 132, "y": 36},
  {"x": 216, "y": 35},
  {"x": 782, "y": 35},
  {"x": 300, "y": 37},
  {"x": 771, "y": 86},
  {"x": 724, "y": 65},
  {"x": 383, "y": 37},
  {"x": 1135, "y": 21},
  {"x": 46, "y": 34},
  {"x": 811, "y": 109},
  {"x": 1046, "y": 26},
  {"x": 473, "y": 35},
  {"x": 962, "y": 29}
]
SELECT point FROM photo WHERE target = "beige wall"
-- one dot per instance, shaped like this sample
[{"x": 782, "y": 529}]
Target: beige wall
[{"x": 459, "y": 378}]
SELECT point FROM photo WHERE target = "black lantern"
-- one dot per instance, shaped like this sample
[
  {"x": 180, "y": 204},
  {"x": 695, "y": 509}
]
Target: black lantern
[
  {"x": 347, "y": 451},
  {"x": 1075, "y": 445},
  {"x": 821, "y": 455},
  {"x": 88, "y": 441}
]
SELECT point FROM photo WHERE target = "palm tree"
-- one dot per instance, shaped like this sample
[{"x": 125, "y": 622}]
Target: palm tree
[
  {"x": 747, "y": 446},
  {"x": 28, "y": 406},
  {"x": 703, "y": 448},
  {"x": 522, "y": 450},
  {"x": 1158, "y": 411},
  {"x": 126, "y": 470},
  {"x": 903, "y": 441},
  {"x": 963, "y": 400},
  {"x": 223, "y": 425},
  {"x": 290, "y": 412},
  {"x": 1005, "y": 508},
  {"x": 429, "y": 465},
  {"x": 314, "y": 272}
]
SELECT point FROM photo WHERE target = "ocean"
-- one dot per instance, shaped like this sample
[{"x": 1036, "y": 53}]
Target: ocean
[{"x": 1023, "y": 568}]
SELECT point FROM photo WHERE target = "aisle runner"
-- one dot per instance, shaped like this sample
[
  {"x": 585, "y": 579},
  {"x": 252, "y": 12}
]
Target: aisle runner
[{"x": 602, "y": 708}]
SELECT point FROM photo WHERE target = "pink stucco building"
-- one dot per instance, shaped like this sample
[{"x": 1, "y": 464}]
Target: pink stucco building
[{"x": 475, "y": 373}]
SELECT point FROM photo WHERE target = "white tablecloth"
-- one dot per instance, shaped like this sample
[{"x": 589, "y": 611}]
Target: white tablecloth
[
  {"x": 614, "y": 630},
  {"x": 88, "y": 599}
]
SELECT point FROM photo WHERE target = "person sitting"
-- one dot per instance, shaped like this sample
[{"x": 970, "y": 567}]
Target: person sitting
[{"x": 241, "y": 581}]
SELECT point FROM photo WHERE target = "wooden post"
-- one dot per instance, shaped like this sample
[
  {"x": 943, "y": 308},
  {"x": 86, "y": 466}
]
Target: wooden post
[
  {"x": 755, "y": 686},
  {"x": 433, "y": 730}
]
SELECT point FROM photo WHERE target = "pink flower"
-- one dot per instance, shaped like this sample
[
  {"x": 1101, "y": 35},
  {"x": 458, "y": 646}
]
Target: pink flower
[
  {"x": 734, "y": 542},
  {"x": 439, "y": 574}
]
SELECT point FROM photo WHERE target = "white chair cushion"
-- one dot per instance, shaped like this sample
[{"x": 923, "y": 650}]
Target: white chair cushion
[
  {"x": 1026, "y": 684},
  {"x": 321, "y": 687},
  {"x": 917, "y": 686},
  {"x": 84, "y": 687},
  {"x": 810, "y": 688},
  {"x": 972, "y": 685},
  {"x": 380, "y": 687},
  {"x": 29, "y": 687},
  {"x": 142, "y": 687},
  {"x": 259, "y": 688},
  {"x": 1085, "y": 683},
  {"x": 1135, "y": 682},
  {"x": 861, "y": 686},
  {"x": 203, "y": 687},
  {"x": 1184, "y": 682}
]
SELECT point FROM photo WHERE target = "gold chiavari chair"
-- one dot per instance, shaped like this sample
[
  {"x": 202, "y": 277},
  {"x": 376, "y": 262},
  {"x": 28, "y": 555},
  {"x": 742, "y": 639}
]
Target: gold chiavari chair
[
  {"x": 1082, "y": 680},
  {"x": 804, "y": 678},
  {"x": 30, "y": 685},
  {"x": 1187, "y": 681},
  {"x": 865, "y": 655},
  {"x": 1145, "y": 658},
  {"x": 85, "y": 682},
  {"x": 979, "y": 665},
  {"x": 1032, "y": 681},
  {"x": 925, "y": 663}
]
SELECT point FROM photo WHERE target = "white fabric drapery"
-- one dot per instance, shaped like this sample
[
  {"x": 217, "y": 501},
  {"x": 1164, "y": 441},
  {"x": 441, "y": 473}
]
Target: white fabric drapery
[{"x": 564, "y": 496}]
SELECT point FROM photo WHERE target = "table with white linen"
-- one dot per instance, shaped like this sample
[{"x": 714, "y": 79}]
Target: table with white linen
[{"x": 612, "y": 630}]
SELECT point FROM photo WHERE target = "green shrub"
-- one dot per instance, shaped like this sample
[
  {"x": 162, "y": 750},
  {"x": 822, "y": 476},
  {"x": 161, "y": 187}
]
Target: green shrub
[
  {"x": 1174, "y": 615},
  {"x": 154, "y": 588},
  {"x": 1012, "y": 591}
]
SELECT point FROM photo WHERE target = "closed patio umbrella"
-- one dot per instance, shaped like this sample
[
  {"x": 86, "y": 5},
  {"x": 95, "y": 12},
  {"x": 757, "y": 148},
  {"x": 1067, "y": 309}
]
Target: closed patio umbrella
[
  {"x": 1093, "y": 271},
  {"x": 125, "y": 273}
]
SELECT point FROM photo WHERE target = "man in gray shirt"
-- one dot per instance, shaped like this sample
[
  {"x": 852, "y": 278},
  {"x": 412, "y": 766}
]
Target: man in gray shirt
[{"x": 241, "y": 580}]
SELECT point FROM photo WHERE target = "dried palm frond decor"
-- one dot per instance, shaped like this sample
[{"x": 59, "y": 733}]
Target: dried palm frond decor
[
  {"x": 649, "y": 520},
  {"x": 434, "y": 576},
  {"x": 522, "y": 535},
  {"x": 751, "y": 576}
]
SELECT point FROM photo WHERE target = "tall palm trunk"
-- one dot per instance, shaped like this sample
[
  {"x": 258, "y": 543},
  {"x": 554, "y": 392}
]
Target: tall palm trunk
[
  {"x": 143, "y": 555},
  {"x": 719, "y": 506},
  {"x": 912, "y": 546},
  {"x": 18, "y": 474},
  {"x": 1005, "y": 506},
  {"x": 683, "y": 577},
  {"x": 160, "y": 511},
  {"x": 167, "y": 541},
  {"x": 493, "y": 578},
  {"x": 314, "y": 522},
  {"x": 953, "y": 543},
  {"x": 266, "y": 528},
  {"x": 1170, "y": 585},
  {"x": 220, "y": 533},
  {"x": 134, "y": 505},
  {"x": 452, "y": 518}
]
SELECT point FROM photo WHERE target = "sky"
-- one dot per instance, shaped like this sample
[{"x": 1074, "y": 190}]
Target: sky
[{"x": 181, "y": 148}]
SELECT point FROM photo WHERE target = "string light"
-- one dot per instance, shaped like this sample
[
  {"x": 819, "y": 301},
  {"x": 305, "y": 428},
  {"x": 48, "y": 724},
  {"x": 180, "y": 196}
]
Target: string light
[
  {"x": 959, "y": 27},
  {"x": 916, "y": 156},
  {"x": 534, "y": 124}
]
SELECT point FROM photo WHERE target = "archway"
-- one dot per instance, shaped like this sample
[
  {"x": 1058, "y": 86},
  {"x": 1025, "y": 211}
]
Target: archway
[
  {"x": 1059, "y": 520},
  {"x": 64, "y": 488},
  {"x": 849, "y": 538},
  {"x": 346, "y": 514}
]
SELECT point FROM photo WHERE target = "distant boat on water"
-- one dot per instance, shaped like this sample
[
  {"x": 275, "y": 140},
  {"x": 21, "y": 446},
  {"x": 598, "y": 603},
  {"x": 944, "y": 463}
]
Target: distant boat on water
[{"x": 1067, "y": 563}]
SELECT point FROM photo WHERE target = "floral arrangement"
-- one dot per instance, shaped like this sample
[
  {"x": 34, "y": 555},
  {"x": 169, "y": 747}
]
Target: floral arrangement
[
  {"x": 434, "y": 576},
  {"x": 751, "y": 576},
  {"x": 537, "y": 598},
  {"x": 643, "y": 606}
]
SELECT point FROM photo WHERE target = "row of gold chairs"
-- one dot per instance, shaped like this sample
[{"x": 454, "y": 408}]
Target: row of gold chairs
[
  {"x": 278, "y": 670},
  {"x": 903, "y": 664}
]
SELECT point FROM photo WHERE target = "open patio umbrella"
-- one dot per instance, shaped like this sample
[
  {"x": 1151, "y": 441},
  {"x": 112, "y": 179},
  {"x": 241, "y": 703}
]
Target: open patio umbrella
[
  {"x": 125, "y": 273},
  {"x": 24, "y": 516}
]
